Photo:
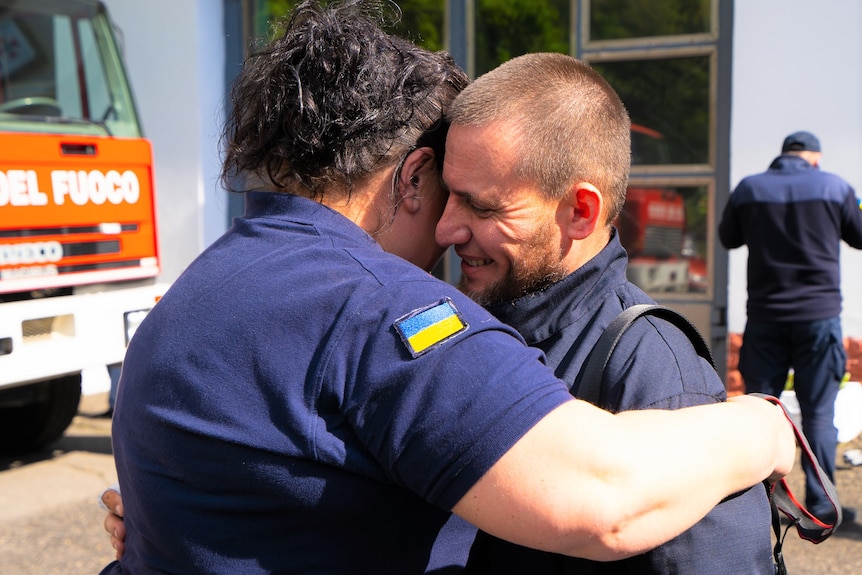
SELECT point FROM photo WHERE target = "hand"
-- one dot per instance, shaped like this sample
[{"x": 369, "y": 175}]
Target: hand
[
  {"x": 785, "y": 453},
  {"x": 114, "y": 521}
]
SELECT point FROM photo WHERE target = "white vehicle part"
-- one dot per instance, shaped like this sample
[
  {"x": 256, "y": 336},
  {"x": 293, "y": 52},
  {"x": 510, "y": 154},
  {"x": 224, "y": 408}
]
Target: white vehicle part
[{"x": 46, "y": 338}]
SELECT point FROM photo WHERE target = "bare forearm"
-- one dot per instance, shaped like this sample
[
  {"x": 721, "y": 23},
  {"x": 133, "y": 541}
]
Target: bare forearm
[
  {"x": 672, "y": 479},
  {"x": 587, "y": 483}
]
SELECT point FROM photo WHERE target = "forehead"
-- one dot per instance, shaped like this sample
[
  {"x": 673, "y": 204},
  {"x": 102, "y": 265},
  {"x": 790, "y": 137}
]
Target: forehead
[
  {"x": 477, "y": 157},
  {"x": 480, "y": 167}
]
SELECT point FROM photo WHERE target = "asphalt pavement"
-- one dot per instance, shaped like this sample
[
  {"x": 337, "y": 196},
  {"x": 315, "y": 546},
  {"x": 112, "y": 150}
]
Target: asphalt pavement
[
  {"x": 842, "y": 552},
  {"x": 50, "y": 523}
]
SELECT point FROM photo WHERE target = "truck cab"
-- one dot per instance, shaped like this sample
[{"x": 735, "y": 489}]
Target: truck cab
[{"x": 78, "y": 239}]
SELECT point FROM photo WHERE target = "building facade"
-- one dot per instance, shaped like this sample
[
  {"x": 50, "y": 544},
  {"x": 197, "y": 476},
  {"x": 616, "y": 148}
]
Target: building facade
[{"x": 712, "y": 86}]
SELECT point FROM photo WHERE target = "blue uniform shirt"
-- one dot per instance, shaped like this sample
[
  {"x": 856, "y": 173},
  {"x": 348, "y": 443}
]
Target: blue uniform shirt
[{"x": 301, "y": 401}]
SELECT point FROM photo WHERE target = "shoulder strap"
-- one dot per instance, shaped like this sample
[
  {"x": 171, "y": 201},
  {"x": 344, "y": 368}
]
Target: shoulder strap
[
  {"x": 809, "y": 527},
  {"x": 590, "y": 387},
  {"x": 781, "y": 498}
]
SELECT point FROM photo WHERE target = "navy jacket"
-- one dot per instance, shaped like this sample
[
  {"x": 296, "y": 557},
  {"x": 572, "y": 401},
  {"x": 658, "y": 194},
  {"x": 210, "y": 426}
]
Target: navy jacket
[
  {"x": 654, "y": 366},
  {"x": 792, "y": 217}
]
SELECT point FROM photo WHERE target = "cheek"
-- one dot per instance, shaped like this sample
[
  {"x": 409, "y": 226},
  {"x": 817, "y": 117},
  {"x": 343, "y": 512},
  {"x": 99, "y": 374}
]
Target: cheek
[
  {"x": 439, "y": 224},
  {"x": 440, "y": 204},
  {"x": 432, "y": 251},
  {"x": 429, "y": 225},
  {"x": 496, "y": 244},
  {"x": 428, "y": 234}
]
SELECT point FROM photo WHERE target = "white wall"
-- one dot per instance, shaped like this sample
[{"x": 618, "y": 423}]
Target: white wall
[
  {"x": 797, "y": 66},
  {"x": 174, "y": 53}
]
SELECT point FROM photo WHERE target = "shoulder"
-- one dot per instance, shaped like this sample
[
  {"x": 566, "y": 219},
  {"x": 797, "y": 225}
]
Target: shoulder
[
  {"x": 417, "y": 323},
  {"x": 409, "y": 300},
  {"x": 662, "y": 336},
  {"x": 743, "y": 191},
  {"x": 835, "y": 184},
  {"x": 656, "y": 365}
]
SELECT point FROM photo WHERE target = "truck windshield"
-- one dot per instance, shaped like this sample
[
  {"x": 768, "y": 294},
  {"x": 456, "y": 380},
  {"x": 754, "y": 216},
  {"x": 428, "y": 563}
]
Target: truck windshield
[{"x": 60, "y": 71}]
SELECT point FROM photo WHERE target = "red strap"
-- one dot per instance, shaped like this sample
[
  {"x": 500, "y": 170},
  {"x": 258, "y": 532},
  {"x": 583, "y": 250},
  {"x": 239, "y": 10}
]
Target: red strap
[{"x": 809, "y": 527}]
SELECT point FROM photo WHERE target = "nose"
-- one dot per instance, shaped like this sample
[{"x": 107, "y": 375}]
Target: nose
[{"x": 451, "y": 228}]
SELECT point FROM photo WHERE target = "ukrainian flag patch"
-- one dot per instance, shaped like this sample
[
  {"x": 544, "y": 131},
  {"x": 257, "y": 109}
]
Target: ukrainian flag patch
[{"x": 423, "y": 329}]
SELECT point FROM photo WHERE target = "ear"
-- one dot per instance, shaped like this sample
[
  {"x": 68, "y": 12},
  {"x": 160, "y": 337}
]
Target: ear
[
  {"x": 582, "y": 210},
  {"x": 418, "y": 167}
]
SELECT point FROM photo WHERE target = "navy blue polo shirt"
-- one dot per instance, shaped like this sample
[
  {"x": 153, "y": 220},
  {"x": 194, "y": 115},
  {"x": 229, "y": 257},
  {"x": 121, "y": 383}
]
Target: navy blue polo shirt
[{"x": 301, "y": 401}]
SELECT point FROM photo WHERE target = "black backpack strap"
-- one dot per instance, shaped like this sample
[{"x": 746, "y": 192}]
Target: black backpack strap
[{"x": 590, "y": 387}]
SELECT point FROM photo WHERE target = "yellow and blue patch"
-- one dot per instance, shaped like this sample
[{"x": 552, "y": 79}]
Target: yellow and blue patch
[{"x": 423, "y": 329}]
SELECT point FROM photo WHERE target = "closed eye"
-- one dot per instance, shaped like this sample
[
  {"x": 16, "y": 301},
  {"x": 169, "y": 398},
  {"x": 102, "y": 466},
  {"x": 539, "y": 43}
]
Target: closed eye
[{"x": 477, "y": 208}]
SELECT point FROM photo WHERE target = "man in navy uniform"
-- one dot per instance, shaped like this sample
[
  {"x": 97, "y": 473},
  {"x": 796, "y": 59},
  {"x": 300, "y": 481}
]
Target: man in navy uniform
[{"x": 793, "y": 218}]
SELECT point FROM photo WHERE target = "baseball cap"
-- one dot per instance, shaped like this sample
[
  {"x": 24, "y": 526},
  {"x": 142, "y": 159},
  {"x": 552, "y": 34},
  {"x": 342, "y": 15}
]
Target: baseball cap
[{"x": 801, "y": 141}]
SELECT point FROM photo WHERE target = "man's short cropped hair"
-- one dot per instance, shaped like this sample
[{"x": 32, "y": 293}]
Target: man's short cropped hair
[{"x": 571, "y": 125}]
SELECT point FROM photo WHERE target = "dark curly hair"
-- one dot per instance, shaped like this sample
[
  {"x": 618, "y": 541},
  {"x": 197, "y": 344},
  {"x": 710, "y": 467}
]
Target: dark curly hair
[{"x": 334, "y": 98}]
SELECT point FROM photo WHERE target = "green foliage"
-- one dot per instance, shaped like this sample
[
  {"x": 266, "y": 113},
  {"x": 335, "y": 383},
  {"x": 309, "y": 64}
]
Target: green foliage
[
  {"x": 422, "y": 23},
  {"x": 268, "y": 15},
  {"x": 620, "y": 19},
  {"x": 421, "y": 20},
  {"x": 509, "y": 28}
]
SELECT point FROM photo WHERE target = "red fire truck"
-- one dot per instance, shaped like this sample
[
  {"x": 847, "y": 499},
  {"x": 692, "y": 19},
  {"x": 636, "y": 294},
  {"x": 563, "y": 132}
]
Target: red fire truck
[
  {"x": 652, "y": 227},
  {"x": 78, "y": 247}
]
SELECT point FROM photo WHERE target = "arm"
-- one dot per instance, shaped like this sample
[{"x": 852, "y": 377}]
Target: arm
[
  {"x": 545, "y": 492},
  {"x": 587, "y": 483},
  {"x": 851, "y": 220},
  {"x": 728, "y": 229}
]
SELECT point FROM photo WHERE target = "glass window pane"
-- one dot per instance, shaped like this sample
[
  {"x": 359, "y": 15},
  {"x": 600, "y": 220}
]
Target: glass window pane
[
  {"x": 509, "y": 28},
  {"x": 622, "y": 19},
  {"x": 62, "y": 65},
  {"x": 669, "y": 98},
  {"x": 421, "y": 20},
  {"x": 98, "y": 98},
  {"x": 28, "y": 66},
  {"x": 422, "y": 23},
  {"x": 664, "y": 230}
]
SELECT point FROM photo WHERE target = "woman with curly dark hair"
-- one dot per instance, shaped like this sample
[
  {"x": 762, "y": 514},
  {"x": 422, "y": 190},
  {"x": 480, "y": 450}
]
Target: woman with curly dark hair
[
  {"x": 317, "y": 116},
  {"x": 336, "y": 135}
]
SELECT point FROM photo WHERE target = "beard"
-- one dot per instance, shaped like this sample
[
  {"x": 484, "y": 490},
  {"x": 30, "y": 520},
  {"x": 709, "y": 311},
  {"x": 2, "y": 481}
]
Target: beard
[{"x": 538, "y": 266}]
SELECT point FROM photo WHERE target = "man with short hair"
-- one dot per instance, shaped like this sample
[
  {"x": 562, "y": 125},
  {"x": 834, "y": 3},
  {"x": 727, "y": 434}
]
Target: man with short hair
[
  {"x": 537, "y": 162},
  {"x": 793, "y": 218}
]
